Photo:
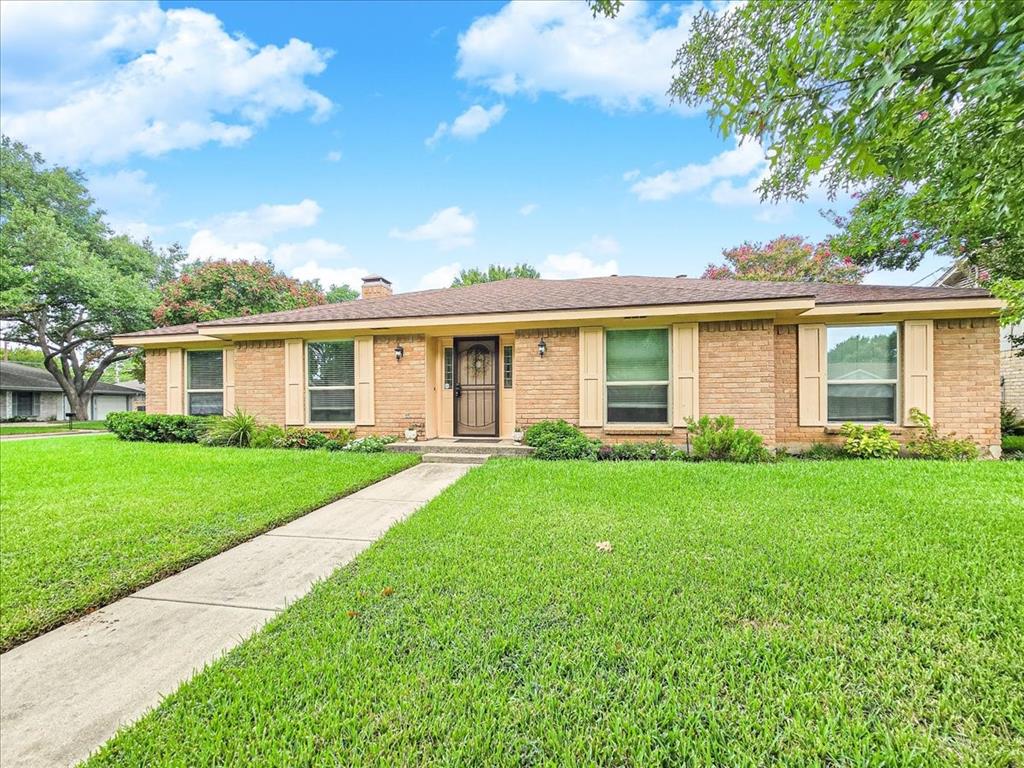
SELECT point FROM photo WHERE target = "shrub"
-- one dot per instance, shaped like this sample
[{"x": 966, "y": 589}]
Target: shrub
[
  {"x": 1013, "y": 444},
  {"x": 864, "y": 443},
  {"x": 1010, "y": 421},
  {"x": 370, "y": 444},
  {"x": 338, "y": 439},
  {"x": 655, "y": 451},
  {"x": 931, "y": 445},
  {"x": 157, "y": 427},
  {"x": 237, "y": 430},
  {"x": 719, "y": 438},
  {"x": 302, "y": 438},
  {"x": 543, "y": 431},
  {"x": 265, "y": 436}
]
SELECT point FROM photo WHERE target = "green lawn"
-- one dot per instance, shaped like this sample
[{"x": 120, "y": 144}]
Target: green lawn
[
  {"x": 806, "y": 613},
  {"x": 88, "y": 519},
  {"x": 23, "y": 428}
]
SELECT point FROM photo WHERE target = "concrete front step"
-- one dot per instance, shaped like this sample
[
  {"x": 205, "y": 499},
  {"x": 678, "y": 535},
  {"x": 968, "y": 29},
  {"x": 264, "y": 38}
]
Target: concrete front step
[
  {"x": 448, "y": 447},
  {"x": 455, "y": 458}
]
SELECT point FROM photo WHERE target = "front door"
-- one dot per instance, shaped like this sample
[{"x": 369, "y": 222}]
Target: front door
[{"x": 476, "y": 387}]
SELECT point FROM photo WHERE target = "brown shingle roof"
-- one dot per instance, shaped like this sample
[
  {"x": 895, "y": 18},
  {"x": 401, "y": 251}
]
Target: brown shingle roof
[{"x": 525, "y": 295}]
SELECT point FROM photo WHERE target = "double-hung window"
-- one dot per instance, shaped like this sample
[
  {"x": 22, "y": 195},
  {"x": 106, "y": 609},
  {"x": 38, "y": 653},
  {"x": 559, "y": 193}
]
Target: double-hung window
[
  {"x": 206, "y": 383},
  {"x": 636, "y": 376},
  {"x": 331, "y": 382},
  {"x": 863, "y": 373}
]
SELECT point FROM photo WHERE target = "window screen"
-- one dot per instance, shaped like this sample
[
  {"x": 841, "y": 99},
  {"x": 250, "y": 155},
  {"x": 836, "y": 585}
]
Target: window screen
[
  {"x": 331, "y": 378},
  {"x": 636, "y": 374},
  {"x": 206, "y": 383},
  {"x": 863, "y": 370}
]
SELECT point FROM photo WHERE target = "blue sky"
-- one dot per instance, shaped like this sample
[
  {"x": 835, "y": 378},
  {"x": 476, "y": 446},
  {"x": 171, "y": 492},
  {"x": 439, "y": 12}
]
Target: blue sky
[{"x": 406, "y": 139}]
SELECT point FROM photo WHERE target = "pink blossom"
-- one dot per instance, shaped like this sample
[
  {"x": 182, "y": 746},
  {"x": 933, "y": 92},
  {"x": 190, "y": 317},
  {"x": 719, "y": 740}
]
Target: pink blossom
[{"x": 922, "y": 115}]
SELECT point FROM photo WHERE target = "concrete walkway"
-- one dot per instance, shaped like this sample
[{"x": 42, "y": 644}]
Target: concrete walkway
[
  {"x": 42, "y": 435},
  {"x": 65, "y": 693}
]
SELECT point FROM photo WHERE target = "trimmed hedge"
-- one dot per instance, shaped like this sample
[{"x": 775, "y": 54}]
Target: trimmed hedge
[
  {"x": 1013, "y": 443},
  {"x": 157, "y": 427}
]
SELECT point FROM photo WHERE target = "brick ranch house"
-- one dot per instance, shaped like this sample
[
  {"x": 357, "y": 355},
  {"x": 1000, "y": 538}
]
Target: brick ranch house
[{"x": 625, "y": 358}]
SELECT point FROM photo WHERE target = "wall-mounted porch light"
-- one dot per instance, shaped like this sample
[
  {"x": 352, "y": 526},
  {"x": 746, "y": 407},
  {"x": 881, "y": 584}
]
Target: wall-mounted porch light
[
  {"x": 399, "y": 351},
  {"x": 542, "y": 347}
]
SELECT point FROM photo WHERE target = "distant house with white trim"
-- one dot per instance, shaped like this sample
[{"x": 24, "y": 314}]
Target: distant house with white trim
[{"x": 32, "y": 394}]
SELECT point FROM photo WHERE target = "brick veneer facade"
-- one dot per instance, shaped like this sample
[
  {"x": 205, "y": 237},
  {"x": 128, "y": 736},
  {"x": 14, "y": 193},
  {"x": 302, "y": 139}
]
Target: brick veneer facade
[
  {"x": 259, "y": 379},
  {"x": 399, "y": 386},
  {"x": 967, "y": 378},
  {"x": 737, "y": 373},
  {"x": 547, "y": 387},
  {"x": 156, "y": 381},
  {"x": 1012, "y": 369}
]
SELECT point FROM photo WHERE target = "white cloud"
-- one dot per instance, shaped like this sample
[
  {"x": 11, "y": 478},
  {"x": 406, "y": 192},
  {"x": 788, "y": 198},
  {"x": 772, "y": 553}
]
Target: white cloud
[
  {"x": 630, "y": 175},
  {"x": 334, "y": 156},
  {"x": 155, "y": 81},
  {"x": 741, "y": 161},
  {"x": 315, "y": 249},
  {"x": 469, "y": 124},
  {"x": 122, "y": 189},
  {"x": 440, "y": 278},
  {"x": 574, "y": 264},
  {"x": 206, "y": 245},
  {"x": 605, "y": 244},
  {"x": 448, "y": 228},
  {"x": 527, "y": 209},
  {"x": 330, "y": 276},
  {"x": 561, "y": 48}
]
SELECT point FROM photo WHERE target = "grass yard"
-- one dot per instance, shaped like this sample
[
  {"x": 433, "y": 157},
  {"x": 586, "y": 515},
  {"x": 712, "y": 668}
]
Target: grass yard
[
  {"x": 807, "y": 613},
  {"x": 89, "y": 519},
  {"x": 24, "y": 428}
]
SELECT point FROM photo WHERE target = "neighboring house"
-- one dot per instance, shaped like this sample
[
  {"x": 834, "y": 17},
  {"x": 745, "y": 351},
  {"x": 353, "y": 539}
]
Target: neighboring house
[
  {"x": 33, "y": 394},
  {"x": 138, "y": 402},
  {"x": 625, "y": 358},
  {"x": 962, "y": 275}
]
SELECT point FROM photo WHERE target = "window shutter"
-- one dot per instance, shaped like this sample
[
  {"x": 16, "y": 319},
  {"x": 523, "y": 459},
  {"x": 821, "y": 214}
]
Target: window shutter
[
  {"x": 591, "y": 377},
  {"x": 294, "y": 382},
  {"x": 685, "y": 367},
  {"x": 175, "y": 379},
  {"x": 918, "y": 381},
  {"x": 812, "y": 365},
  {"x": 229, "y": 380},
  {"x": 364, "y": 381}
]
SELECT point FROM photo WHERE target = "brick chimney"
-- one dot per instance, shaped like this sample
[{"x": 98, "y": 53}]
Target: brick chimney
[{"x": 376, "y": 287}]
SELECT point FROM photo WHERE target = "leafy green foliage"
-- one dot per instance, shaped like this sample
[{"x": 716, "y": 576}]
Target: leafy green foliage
[
  {"x": 919, "y": 105},
  {"x": 340, "y": 293},
  {"x": 931, "y": 445},
  {"x": 67, "y": 284},
  {"x": 657, "y": 450},
  {"x": 1013, "y": 443},
  {"x": 798, "y": 614},
  {"x": 823, "y": 452},
  {"x": 1010, "y": 421},
  {"x": 265, "y": 436},
  {"x": 719, "y": 438},
  {"x": 542, "y": 431},
  {"x": 864, "y": 443},
  {"x": 493, "y": 273},
  {"x": 87, "y": 520},
  {"x": 369, "y": 444},
  {"x": 560, "y": 440},
  {"x": 786, "y": 258},
  {"x": 237, "y": 429},
  {"x": 218, "y": 289},
  {"x": 157, "y": 427},
  {"x": 303, "y": 438}
]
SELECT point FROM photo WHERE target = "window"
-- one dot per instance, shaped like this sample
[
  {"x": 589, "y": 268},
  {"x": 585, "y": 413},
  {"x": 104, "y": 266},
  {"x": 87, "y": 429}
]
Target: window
[
  {"x": 636, "y": 374},
  {"x": 206, "y": 383},
  {"x": 26, "y": 404},
  {"x": 448, "y": 367},
  {"x": 331, "y": 381},
  {"x": 507, "y": 367},
  {"x": 862, "y": 373}
]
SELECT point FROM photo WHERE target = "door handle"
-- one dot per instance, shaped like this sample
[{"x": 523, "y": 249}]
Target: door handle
[{"x": 458, "y": 390}]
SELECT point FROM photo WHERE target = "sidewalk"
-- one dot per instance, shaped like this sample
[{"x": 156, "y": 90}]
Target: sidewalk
[{"x": 65, "y": 693}]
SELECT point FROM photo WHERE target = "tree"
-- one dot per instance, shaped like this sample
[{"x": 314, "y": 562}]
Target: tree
[
  {"x": 786, "y": 258},
  {"x": 340, "y": 293},
  {"x": 217, "y": 289},
  {"x": 67, "y": 284},
  {"x": 494, "y": 272}
]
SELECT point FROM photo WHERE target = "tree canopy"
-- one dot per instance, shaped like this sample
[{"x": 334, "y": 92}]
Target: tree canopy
[
  {"x": 340, "y": 293},
  {"x": 786, "y": 258},
  {"x": 494, "y": 272},
  {"x": 217, "y": 289},
  {"x": 67, "y": 283}
]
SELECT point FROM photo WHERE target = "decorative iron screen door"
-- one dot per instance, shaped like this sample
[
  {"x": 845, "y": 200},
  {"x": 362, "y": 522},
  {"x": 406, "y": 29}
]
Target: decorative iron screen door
[{"x": 476, "y": 387}]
